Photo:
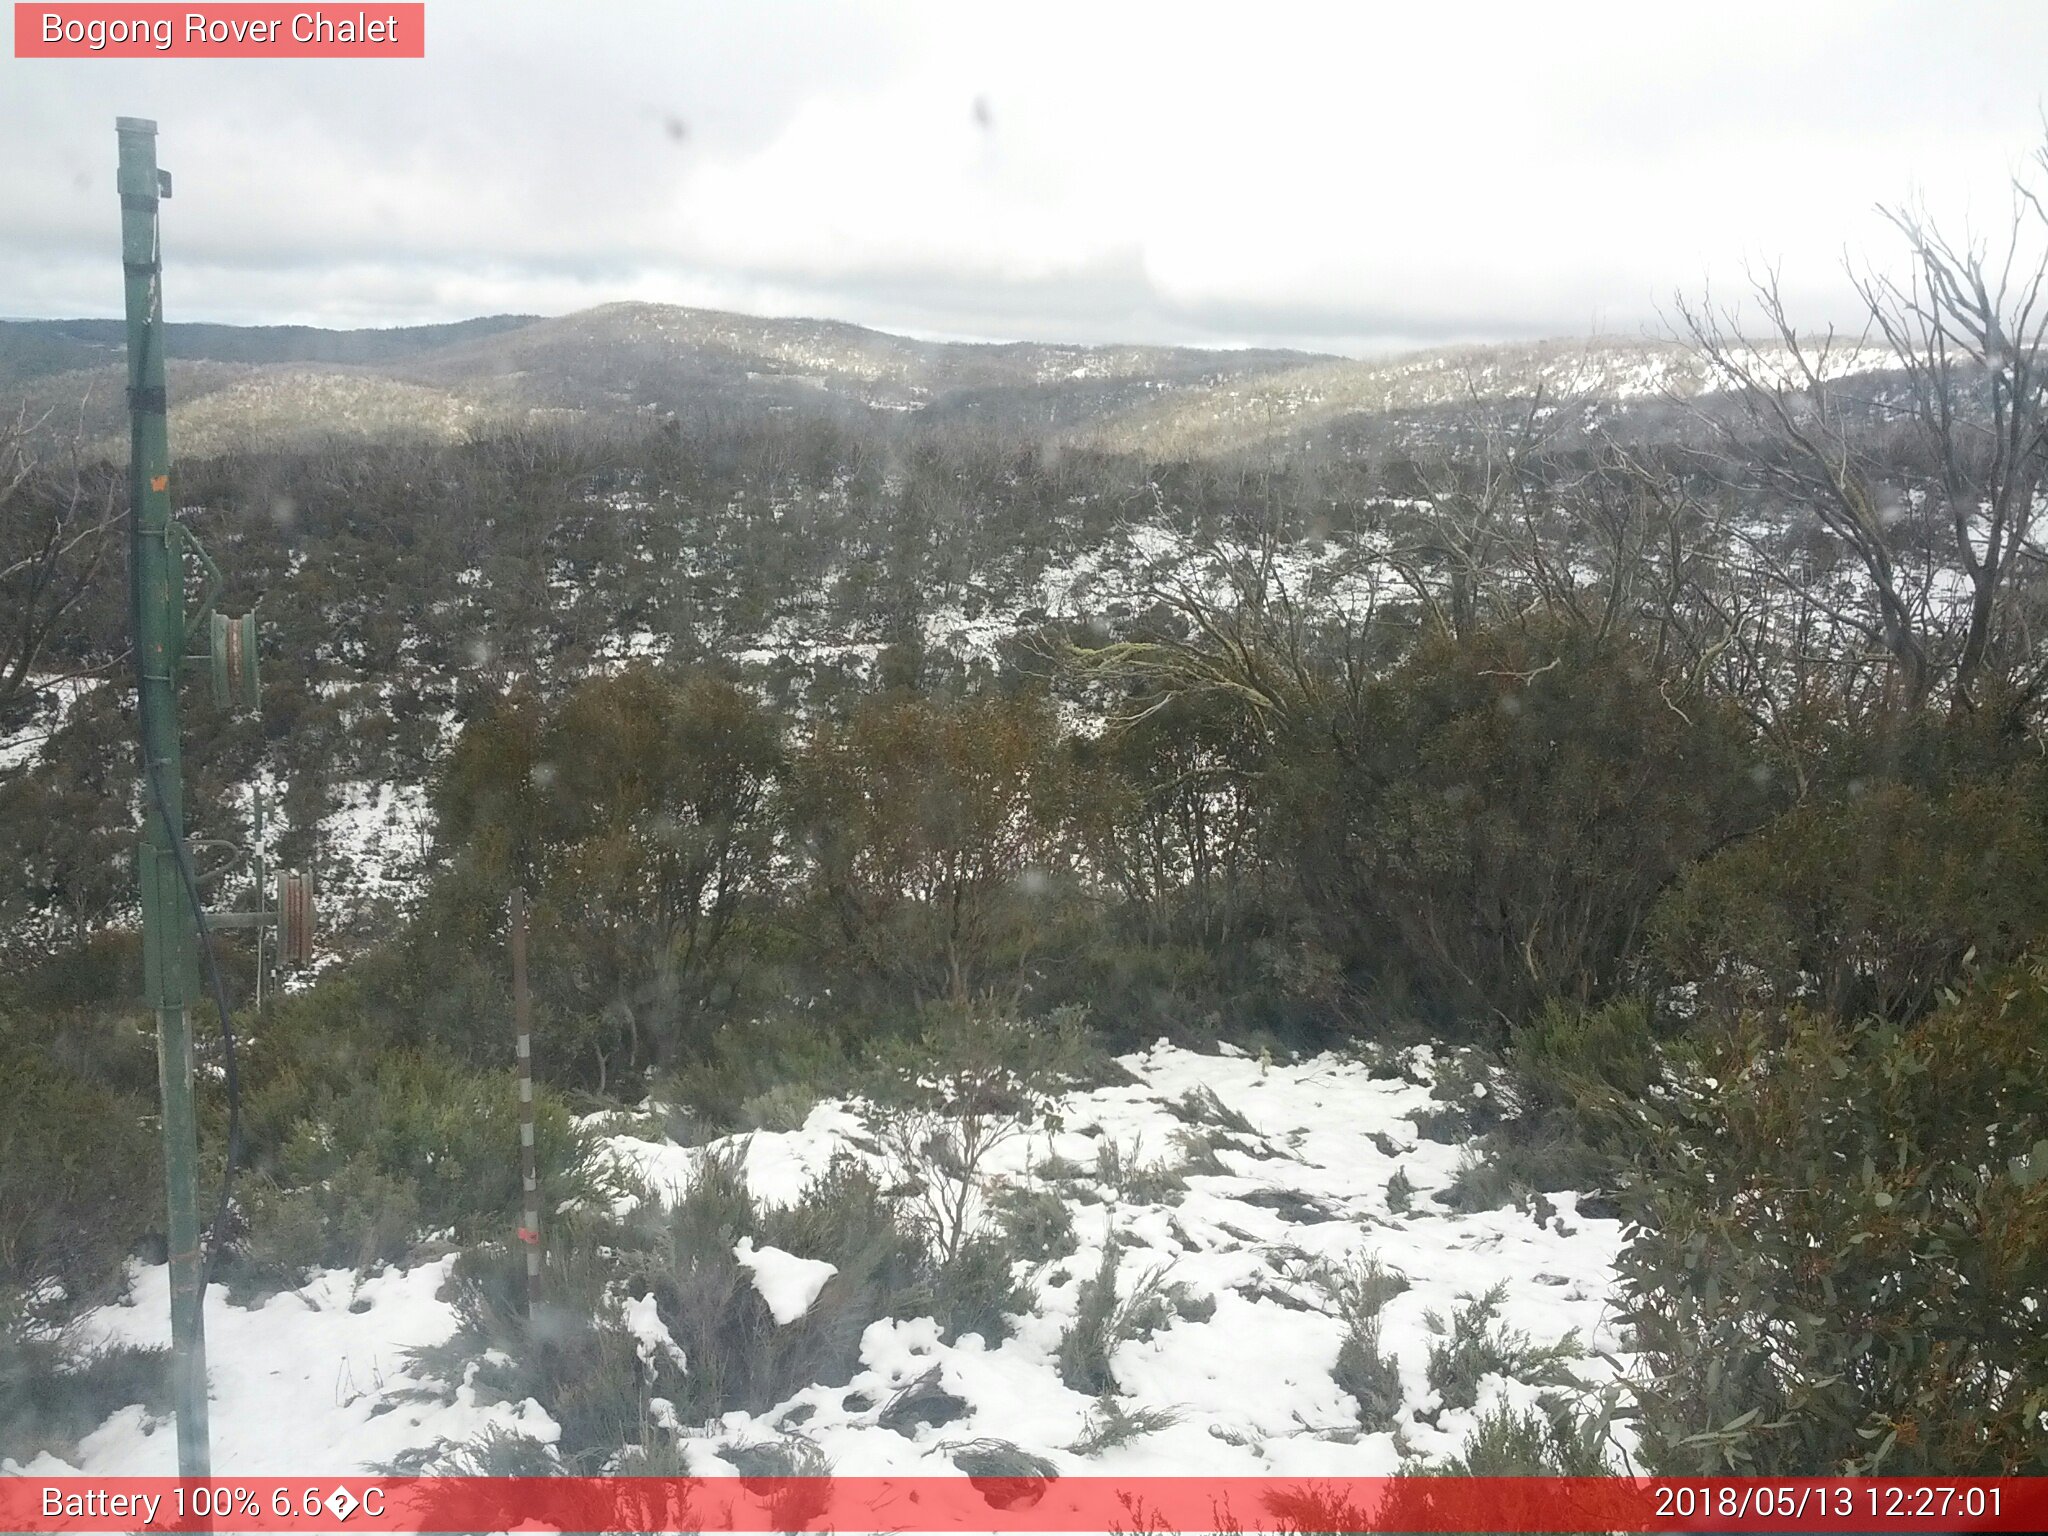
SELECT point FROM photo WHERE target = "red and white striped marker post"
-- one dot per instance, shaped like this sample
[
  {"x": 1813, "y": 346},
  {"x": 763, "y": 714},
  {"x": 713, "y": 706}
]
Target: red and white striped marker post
[{"x": 522, "y": 1016}]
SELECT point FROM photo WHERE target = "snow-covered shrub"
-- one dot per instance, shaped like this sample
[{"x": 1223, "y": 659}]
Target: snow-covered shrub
[
  {"x": 1087, "y": 1342},
  {"x": 1473, "y": 1345},
  {"x": 1110, "y": 1424},
  {"x": 1358, "y": 1291},
  {"x": 1133, "y": 1178},
  {"x": 1400, "y": 1191},
  {"x": 1037, "y": 1222},
  {"x": 1107, "y": 1315},
  {"x": 53, "y": 1390}
]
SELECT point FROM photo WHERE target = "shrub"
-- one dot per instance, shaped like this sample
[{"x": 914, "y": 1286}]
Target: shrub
[
  {"x": 355, "y": 1217},
  {"x": 1131, "y": 1179},
  {"x": 1488, "y": 825},
  {"x": 1359, "y": 1290},
  {"x": 1465, "y": 1090},
  {"x": 1567, "y": 1057},
  {"x": 935, "y": 837},
  {"x": 1550, "y": 1442},
  {"x": 52, "y": 1392},
  {"x": 1557, "y": 1115},
  {"x": 749, "y": 1071},
  {"x": 351, "y": 1157},
  {"x": 1555, "y": 1440},
  {"x": 1868, "y": 905},
  {"x": 1103, "y": 1319},
  {"x": 636, "y": 814},
  {"x": 1473, "y": 1346},
  {"x": 1201, "y": 1107},
  {"x": 1037, "y": 1222},
  {"x": 1373, "y": 1380},
  {"x": 1481, "y": 1182},
  {"x": 1110, "y": 1425},
  {"x": 82, "y": 1180},
  {"x": 1400, "y": 1192},
  {"x": 1837, "y": 1238},
  {"x": 972, "y": 1292}
]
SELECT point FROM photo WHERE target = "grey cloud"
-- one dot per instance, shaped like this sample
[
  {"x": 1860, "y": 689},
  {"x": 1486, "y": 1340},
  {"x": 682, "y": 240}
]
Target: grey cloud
[{"x": 533, "y": 162}]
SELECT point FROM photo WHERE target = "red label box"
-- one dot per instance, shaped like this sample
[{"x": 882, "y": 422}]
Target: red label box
[{"x": 375, "y": 30}]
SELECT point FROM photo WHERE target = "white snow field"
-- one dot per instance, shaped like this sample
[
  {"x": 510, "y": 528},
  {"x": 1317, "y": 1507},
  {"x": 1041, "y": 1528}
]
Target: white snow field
[{"x": 316, "y": 1380}]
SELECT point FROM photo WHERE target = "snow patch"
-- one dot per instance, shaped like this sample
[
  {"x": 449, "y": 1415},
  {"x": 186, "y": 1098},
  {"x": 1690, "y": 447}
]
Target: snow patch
[{"x": 787, "y": 1283}]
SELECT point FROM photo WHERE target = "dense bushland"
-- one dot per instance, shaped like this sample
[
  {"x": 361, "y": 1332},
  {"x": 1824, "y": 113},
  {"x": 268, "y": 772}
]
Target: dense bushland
[{"x": 1701, "y": 801}]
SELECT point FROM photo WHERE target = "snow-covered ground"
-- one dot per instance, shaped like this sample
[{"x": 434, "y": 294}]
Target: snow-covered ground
[{"x": 317, "y": 1380}]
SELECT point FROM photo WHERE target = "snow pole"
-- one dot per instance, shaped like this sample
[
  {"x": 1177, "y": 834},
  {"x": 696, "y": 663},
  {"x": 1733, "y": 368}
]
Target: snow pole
[
  {"x": 529, "y": 1175},
  {"x": 157, "y": 595}
]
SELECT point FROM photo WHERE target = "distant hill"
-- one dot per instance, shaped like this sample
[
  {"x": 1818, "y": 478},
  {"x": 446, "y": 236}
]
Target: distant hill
[
  {"x": 235, "y": 385},
  {"x": 31, "y": 349}
]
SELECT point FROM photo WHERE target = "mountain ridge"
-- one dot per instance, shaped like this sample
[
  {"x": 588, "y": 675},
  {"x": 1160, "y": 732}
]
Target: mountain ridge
[{"x": 243, "y": 386}]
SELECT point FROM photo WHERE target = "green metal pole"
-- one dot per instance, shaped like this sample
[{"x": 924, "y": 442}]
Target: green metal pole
[{"x": 169, "y": 938}]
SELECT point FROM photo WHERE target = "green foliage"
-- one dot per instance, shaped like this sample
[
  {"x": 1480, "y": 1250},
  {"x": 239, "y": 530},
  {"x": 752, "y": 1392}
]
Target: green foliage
[
  {"x": 1838, "y": 1241},
  {"x": 1495, "y": 816},
  {"x": 1867, "y": 905},
  {"x": 1087, "y": 1342},
  {"x": 966, "y": 1059},
  {"x": 747, "y": 1062},
  {"x": 1552, "y": 1112},
  {"x": 1037, "y": 1222},
  {"x": 353, "y": 1155},
  {"x": 1568, "y": 1058},
  {"x": 52, "y": 1392},
  {"x": 937, "y": 837},
  {"x": 355, "y": 1217},
  {"x": 1472, "y": 1346},
  {"x": 636, "y": 813},
  {"x": 1553, "y": 1442},
  {"x": 81, "y": 1183},
  {"x": 973, "y": 1291},
  {"x": 1172, "y": 819},
  {"x": 1359, "y": 1291}
]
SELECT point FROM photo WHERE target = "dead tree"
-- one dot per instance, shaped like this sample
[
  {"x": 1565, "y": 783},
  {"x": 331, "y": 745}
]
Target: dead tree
[
  {"x": 1964, "y": 330},
  {"x": 57, "y": 517}
]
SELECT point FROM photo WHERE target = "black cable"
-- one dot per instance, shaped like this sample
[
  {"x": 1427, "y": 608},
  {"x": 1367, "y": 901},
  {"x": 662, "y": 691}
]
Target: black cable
[{"x": 233, "y": 1082}]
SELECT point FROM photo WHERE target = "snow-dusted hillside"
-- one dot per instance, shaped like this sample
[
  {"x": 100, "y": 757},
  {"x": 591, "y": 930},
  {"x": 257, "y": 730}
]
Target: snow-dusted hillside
[{"x": 1250, "y": 1259}]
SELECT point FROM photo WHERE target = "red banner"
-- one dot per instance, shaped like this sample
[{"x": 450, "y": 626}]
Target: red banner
[
  {"x": 374, "y": 31},
  {"x": 997, "y": 1503}
]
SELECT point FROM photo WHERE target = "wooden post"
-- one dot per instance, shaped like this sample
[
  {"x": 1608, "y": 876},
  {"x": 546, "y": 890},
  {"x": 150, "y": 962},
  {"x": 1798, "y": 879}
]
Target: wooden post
[{"x": 522, "y": 1015}]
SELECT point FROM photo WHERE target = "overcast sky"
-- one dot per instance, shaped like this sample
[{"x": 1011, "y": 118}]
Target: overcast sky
[{"x": 1352, "y": 177}]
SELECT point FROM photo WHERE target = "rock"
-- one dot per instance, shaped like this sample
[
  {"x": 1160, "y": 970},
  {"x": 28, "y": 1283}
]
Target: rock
[
  {"x": 1002, "y": 1473},
  {"x": 924, "y": 1401}
]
